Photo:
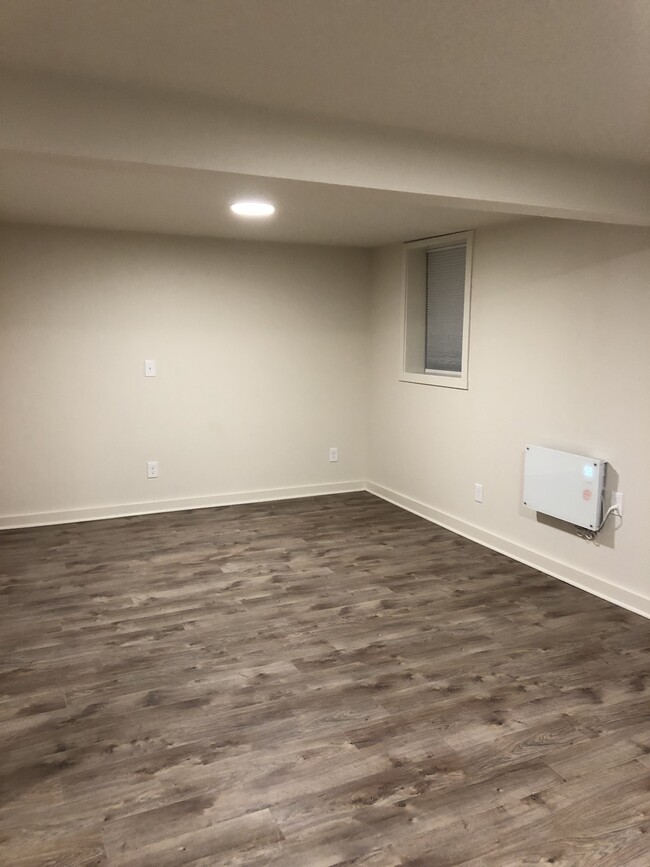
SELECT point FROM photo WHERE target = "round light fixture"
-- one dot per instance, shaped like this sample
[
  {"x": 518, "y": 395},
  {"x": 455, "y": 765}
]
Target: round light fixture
[{"x": 252, "y": 209}]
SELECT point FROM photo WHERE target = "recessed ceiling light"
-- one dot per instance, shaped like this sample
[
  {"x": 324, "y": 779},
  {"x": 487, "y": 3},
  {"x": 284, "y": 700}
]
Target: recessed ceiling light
[{"x": 252, "y": 209}]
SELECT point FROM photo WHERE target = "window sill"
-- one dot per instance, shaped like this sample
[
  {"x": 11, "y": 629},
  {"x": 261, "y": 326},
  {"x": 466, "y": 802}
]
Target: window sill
[{"x": 452, "y": 380}]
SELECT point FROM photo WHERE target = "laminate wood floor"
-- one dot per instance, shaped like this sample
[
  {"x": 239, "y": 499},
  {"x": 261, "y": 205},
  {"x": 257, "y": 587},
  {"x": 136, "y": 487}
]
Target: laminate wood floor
[{"x": 317, "y": 682}]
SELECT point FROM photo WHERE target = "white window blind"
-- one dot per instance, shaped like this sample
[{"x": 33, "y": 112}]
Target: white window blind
[{"x": 445, "y": 305}]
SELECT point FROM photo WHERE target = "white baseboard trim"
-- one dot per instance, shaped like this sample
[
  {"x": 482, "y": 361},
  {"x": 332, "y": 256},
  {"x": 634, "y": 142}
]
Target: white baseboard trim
[
  {"x": 601, "y": 587},
  {"x": 101, "y": 513}
]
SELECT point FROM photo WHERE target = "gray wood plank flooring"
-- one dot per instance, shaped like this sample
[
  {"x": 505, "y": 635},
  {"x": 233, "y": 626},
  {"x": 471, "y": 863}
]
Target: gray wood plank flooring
[{"x": 318, "y": 682}]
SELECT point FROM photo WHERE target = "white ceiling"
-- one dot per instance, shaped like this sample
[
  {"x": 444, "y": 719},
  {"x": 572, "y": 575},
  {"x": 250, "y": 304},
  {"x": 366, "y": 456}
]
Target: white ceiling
[
  {"x": 104, "y": 195},
  {"x": 572, "y": 76},
  {"x": 435, "y": 83}
]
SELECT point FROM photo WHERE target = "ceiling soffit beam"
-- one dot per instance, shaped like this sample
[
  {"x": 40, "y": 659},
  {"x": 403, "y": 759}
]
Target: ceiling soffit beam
[{"x": 74, "y": 118}]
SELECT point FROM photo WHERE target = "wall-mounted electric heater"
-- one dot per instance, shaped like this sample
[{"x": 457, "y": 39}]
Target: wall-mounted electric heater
[{"x": 565, "y": 486}]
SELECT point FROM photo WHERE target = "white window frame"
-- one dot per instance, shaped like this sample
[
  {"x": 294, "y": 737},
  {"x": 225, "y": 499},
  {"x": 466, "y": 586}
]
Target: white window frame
[{"x": 414, "y": 312}]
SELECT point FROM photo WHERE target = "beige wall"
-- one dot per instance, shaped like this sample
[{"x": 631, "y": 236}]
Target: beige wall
[
  {"x": 559, "y": 356},
  {"x": 262, "y": 365},
  {"x": 266, "y": 357}
]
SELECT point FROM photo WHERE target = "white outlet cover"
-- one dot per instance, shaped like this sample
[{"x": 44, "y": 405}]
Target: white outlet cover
[{"x": 150, "y": 368}]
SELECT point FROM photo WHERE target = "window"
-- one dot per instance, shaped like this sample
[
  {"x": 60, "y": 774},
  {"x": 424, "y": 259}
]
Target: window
[{"x": 436, "y": 310}]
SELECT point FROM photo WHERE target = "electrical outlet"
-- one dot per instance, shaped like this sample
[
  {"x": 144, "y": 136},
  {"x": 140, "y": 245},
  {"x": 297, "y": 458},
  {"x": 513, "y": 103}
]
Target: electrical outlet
[
  {"x": 150, "y": 368},
  {"x": 333, "y": 455},
  {"x": 478, "y": 492},
  {"x": 617, "y": 501},
  {"x": 152, "y": 469}
]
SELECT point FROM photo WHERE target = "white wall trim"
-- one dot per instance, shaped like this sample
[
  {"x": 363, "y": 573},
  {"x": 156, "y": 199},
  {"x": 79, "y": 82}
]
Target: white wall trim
[
  {"x": 100, "y": 513},
  {"x": 601, "y": 587}
]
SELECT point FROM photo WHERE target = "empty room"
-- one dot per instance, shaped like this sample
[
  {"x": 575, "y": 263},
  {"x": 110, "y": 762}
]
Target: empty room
[{"x": 324, "y": 427}]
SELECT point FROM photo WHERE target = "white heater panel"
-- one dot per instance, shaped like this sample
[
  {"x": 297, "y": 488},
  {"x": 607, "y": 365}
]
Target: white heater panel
[{"x": 565, "y": 486}]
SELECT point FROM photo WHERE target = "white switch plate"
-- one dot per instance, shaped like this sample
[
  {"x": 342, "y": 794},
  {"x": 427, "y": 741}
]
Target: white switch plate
[
  {"x": 152, "y": 469},
  {"x": 333, "y": 455},
  {"x": 150, "y": 368},
  {"x": 478, "y": 493}
]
